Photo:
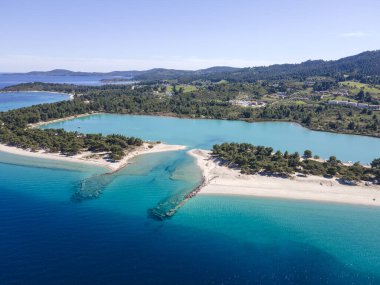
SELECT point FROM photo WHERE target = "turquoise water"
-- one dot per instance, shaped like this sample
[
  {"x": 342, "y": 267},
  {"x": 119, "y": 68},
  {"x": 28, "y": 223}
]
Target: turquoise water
[
  {"x": 46, "y": 238},
  {"x": 15, "y": 100},
  {"x": 205, "y": 133}
]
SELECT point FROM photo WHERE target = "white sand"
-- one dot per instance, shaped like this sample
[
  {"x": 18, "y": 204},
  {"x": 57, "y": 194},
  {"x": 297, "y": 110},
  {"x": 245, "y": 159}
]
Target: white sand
[
  {"x": 94, "y": 159},
  {"x": 221, "y": 180},
  {"x": 42, "y": 123},
  {"x": 71, "y": 96}
]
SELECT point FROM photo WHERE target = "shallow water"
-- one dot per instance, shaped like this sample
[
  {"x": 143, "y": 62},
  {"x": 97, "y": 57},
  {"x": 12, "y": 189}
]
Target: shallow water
[{"x": 46, "y": 238}]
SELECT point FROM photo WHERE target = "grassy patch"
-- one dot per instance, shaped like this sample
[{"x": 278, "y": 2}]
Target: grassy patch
[
  {"x": 355, "y": 87},
  {"x": 186, "y": 88},
  {"x": 342, "y": 98}
]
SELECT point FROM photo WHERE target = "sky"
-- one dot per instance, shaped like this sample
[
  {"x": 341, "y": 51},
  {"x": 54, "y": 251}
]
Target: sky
[{"x": 93, "y": 35}]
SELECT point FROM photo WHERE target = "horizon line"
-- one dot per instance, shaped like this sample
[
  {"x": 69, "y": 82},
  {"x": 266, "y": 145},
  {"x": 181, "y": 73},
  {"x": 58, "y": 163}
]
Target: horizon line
[{"x": 181, "y": 69}]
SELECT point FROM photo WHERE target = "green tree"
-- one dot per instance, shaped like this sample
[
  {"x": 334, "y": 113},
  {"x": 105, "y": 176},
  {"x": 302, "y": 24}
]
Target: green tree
[
  {"x": 307, "y": 153},
  {"x": 376, "y": 163},
  {"x": 351, "y": 125},
  {"x": 331, "y": 171}
]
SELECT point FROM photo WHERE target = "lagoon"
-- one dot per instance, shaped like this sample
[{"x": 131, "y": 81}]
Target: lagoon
[{"x": 205, "y": 133}]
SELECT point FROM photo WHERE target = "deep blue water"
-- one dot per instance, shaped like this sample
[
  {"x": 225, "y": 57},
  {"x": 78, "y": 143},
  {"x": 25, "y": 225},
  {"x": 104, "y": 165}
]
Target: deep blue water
[
  {"x": 13, "y": 79},
  {"x": 15, "y": 100}
]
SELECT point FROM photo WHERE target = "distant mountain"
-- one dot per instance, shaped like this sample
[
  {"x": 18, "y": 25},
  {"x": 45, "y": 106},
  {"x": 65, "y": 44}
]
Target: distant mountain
[
  {"x": 364, "y": 66},
  {"x": 65, "y": 72},
  {"x": 60, "y": 72},
  {"x": 155, "y": 72},
  {"x": 217, "y": 69},
  {"x": 366, "y": 63},
  {"x": 166, "y": 74}
]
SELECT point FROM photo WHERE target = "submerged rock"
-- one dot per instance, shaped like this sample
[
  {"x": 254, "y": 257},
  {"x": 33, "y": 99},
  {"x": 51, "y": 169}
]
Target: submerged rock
[{"x": 92, "y": 187}]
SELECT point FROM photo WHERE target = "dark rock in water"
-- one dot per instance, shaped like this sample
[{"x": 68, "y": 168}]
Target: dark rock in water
[
  {"x": 92, "y": 187},
  {"x": 155, "y": 214},
  {"x": 167, "y": 208}
]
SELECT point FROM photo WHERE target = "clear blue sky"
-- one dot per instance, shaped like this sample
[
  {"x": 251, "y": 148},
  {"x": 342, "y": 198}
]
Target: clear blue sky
[{"x": 93, "y": 35}]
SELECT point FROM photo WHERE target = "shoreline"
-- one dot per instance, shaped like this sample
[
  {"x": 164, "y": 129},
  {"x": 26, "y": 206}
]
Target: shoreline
[
  {"x": 177, "y": 116},
  {"x": 220, "y": 180},
  {"x": 94, "y": 159},
  {"x": 257, "y": 120},
  {"x": 42, "y": 91},
  {"x": 43, "y": 123},
  {"x": 181, "y": 116}
]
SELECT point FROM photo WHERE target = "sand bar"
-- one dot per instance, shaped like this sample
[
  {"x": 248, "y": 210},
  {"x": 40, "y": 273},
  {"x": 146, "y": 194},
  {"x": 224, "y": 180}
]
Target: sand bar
[
  {"x": 43, "y": 123},
  {"x": 95, "y": 159},
  {"x": 221, "y": 180}
]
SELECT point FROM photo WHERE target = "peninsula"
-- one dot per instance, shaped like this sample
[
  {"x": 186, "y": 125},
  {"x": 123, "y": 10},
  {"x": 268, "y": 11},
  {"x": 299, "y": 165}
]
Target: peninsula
[
  {"x": 223, "y": 180},
  {"x": 99, "y": 159}
]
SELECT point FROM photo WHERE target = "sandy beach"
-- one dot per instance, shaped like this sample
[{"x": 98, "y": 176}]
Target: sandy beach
[
  {"x": 42, "y": 123},
  {"x": 71, "y": 96},
  {"x": 95, "y": 159},
  {"x": 220, "y": 180}
]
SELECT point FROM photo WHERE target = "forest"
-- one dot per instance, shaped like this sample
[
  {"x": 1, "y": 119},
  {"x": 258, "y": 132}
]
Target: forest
[
  {"x": 252, "y": 159},
  {"x": 207, "y": 101},
  {"x": 15, "y": 131},
  {"x": 211, "y": 101}
]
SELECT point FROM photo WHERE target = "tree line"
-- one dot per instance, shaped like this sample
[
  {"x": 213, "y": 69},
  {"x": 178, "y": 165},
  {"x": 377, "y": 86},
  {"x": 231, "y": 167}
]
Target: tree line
[
  {"x": 252, "y": 159},
  {"x": 211, "y": 102},
  {"x": 205, "y": 103}
]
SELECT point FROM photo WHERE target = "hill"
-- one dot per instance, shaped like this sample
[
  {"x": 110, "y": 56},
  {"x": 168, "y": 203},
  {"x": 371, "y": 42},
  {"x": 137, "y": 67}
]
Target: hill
[{"x": 364, "y": 67}]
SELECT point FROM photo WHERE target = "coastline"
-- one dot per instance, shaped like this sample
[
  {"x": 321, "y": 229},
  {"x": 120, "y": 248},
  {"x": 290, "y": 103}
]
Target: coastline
[
  {"x": 178, "y": 116},
  {"x": 182, "y": 116},
  {"x": 258, "y": 120},
  {"x": 43, "y": 123},
  {"x": 71, "y": 96},
  {"x": 94, "y": 159},
  {"x": 220, "y": 180}
]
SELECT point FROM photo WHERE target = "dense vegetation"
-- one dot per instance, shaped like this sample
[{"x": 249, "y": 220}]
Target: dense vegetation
[
  {"x": 259, "y": 159},
  {"x": 68, "y": 143},
  {"x": 295, "y": 93},
  {"x": 207, "y": 101},
  {"x": 14, "y": 131},
  {"x": 363, "y": 67}
]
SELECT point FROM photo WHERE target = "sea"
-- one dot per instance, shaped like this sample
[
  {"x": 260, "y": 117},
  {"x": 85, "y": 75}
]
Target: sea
[{"x": 47, "y": 237}]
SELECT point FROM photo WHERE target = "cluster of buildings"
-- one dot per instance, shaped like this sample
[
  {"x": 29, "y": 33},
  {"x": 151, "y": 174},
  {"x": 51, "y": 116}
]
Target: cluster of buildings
[
  {"x": 342, "y": 92},
  {"x": 354, "y": 105},
  {"x": 244, "y": 103},
  {"x": 280, "y": 95},
  {"x": 309, "y": 83}
]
